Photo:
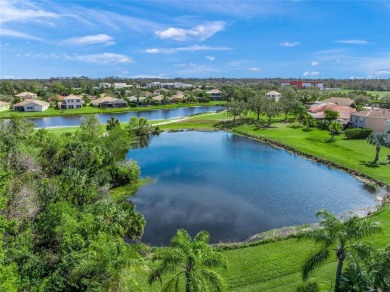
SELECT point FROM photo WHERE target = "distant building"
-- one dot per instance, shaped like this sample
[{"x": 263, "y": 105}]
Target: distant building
[
  {"x": 71, "y": 102},
  {"x": 26, "y": 95},
  {"x": 109, "y": 102},
  {"x": 215, "y": 94},
  {"x": 274, "y": 95},
  {"x": 116, "y": 85},
  {"x": 304, "y": 83},
  {"x": 4, "y": 106},
  {"x": 339, "y": 100},
  {"x": 374, "y": 119},
  {"x": 31, "y": 106},
  {"x": 168, "y": 85}
]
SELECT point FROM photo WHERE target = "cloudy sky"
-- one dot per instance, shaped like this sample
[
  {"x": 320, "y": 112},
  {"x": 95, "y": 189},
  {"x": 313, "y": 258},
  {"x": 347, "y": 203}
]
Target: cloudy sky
[{"x": 198, "y": 38}]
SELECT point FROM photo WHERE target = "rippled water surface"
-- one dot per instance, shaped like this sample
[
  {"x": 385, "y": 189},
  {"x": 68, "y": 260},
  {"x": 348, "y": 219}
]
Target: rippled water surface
[
  {"x": 163, "y": 114},
  {"x": 234, "y": 187}
]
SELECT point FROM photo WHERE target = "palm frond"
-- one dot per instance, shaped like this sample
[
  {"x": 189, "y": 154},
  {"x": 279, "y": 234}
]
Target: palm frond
[
  {"x": 215, "y": 279},
  {"x": 314, "y": 262}
]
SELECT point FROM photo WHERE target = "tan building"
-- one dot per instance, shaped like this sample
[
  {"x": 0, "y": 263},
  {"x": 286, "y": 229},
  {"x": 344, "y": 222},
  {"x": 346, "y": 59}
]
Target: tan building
[
  {"x": 318, "y": 111},
  {"x": 4, "y": 106},
  {"x": 26, "y": 95},
  {"x": 215, "y": 94},
  {"x": 273, "y": 95},
  {"x": 374, "y": 119},
  {"x": 31, "y": 106},
  {"x": 71, "y": 102},
  {"x": 109, "y": 102},
  {"x": 339, "y": 100}
]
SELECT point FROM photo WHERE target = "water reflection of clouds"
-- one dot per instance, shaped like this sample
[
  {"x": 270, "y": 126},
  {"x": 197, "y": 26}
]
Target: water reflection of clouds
[{"x": 235, "y": 190}]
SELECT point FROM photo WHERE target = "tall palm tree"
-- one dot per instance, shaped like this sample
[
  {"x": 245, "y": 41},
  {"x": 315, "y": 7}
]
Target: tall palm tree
[
  {"x": 334, "y": 128},
  {"x": 377, "y": 140},
  {"x": 343, "y": 237},
  {"x": 192, "y": 260}
]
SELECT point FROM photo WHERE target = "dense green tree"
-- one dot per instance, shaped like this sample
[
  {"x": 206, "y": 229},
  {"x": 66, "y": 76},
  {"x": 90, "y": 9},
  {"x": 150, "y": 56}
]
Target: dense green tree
[
  {"x": 271, "y": 109},
  {"x": 341, "y": 236},
  {"x": 190, "y": 260},
  {"x": 330, "y": 115},
  {"x": 90, "y": 128},
  {"x": 236, "y": 109},
  {"x": 288, "y": 101},
  {"x": 256, "y": 103},
  {"x": 377, "y": 140}
]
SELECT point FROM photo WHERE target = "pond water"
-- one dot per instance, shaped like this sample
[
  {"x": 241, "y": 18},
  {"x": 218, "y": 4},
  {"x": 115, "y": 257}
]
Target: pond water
[
  {"x": 163, "y": 114},
  {"x": 234, "y": 187}
]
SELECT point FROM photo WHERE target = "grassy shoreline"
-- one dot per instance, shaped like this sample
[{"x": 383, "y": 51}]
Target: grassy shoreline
[{"x": 52, "y": 112}]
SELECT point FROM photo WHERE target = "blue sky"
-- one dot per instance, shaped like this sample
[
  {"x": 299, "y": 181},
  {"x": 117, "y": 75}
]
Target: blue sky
[{"x": 186, "y": 39}]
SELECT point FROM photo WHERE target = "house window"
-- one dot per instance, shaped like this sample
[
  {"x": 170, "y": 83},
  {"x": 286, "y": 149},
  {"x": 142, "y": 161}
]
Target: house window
[
  {"x": 361, "y": 119},
  {"x": 30, "y": 107},
  {"x": 71, "y": 106},
  {"x": 78, "y": 106},
  {"x": 78, "y": 100}
]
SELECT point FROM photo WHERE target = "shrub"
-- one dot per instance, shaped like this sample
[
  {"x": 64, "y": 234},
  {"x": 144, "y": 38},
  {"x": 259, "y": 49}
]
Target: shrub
[
  {"x": 323, "y": 124},
  {"x": 357, "y": 133},
  {"x": 124, "y": 173}
]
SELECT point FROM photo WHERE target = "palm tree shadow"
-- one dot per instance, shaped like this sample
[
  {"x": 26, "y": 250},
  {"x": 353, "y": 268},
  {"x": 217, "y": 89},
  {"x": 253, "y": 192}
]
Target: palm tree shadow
[{"x": 370, "y": 164}]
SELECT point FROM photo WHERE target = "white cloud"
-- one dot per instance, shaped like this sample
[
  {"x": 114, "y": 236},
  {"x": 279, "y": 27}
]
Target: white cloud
[
  {"x": 193, "y": 48},
  {"x": 17, "y": 34},
  {"x": 90, "y": 39},
  {"x": 22, "y": 11},
  {"x": 314, "y": 63},
  {"x": 210, "y": 58},
  {"x": 254, "y": 69},
  {"x": 7, "y": 77},
  {"x": 353, "y": 42},
  {"x": 146, "y": 76},
  {"x": 382, "y": 72},
  {"x": 200, "y": 32},
  {"x": 104, "y": 58},
  {"x": 289, "y": 44},
  {"x": 311, "y": 73}
]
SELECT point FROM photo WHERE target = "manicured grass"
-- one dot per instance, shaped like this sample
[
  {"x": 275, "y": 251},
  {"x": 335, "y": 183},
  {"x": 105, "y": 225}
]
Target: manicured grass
[
  {"x": 95, "y": 110},
  {"x": 373, "y": 93}
]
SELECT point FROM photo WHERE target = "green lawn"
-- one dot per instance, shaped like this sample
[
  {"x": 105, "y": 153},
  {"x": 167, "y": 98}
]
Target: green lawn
[
  {"x": 373, "y": 93},
  {"x": 95, "y": 110}
]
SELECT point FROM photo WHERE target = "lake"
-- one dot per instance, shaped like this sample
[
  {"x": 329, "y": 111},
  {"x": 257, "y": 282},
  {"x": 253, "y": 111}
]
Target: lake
[
  {"x": 163, "y": 114},
  {"x": 234, "y": 187}
]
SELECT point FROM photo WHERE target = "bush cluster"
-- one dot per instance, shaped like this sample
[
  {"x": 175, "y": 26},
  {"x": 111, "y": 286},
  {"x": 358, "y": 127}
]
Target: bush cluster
[{"x": 357, "y": 133}]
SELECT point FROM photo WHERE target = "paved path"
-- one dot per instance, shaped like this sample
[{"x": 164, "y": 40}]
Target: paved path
[{"x": 182, "y": 119}]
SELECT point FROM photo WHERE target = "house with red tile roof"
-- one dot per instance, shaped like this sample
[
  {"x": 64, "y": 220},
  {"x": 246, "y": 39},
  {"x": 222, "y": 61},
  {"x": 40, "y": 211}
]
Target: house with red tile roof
[{"x": 317, "y": 111}]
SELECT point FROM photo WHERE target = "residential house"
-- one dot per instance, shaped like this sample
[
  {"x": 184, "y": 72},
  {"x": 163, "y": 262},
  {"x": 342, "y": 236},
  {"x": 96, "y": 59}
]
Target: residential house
[
  {"x": 109, "y": 102},
  {"x": 374, "y": 119},
  {"x": 4, "y": 106},
  {"x": 339, "y": 100},
  {"x": 304, "y": 83},
  {"x": 158, "y": 99},
  {"x": 274, "y": 95},
  {"x": 71, "y": 102},
  {"x": 26, "y": 95},
  {"x": 317, "y": 111},
  {"x": 178, "y": 97},
  {"x": 30, "y": 105},
  {"x": 215, "y": 94}
]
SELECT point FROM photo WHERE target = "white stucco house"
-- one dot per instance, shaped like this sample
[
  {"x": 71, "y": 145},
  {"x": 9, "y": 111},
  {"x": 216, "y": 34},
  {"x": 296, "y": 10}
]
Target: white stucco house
[
  {"x": 4, "y": 106},
  {"x": 273, "y": 95},
  {"x": 374, "y": 119},
  {"x": 31, "y": 106},
  {"x": 71, "y": 102}
]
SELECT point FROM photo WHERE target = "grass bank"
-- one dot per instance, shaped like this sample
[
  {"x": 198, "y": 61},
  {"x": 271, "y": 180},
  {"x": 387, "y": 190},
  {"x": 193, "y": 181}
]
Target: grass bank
[{"x": 51, "y": 112}]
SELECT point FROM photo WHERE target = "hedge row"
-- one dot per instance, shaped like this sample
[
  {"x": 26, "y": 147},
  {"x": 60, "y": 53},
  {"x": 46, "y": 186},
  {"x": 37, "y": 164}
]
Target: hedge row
[{"x": 357, "y": 133}]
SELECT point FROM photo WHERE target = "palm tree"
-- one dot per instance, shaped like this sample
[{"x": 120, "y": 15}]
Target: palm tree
[
  {"x": 192, "y": 260},
  {"x": 340, "y": 236},
  {"x": 377, "y": 140},
  {"x": 112, "y": 123},
  {"x": 334, "y": 128}
]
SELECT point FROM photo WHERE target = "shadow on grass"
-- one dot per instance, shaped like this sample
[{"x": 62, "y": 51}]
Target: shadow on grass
[
  {"x": 330, "y": 140},
  {"x": 371, "y": 164}
]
